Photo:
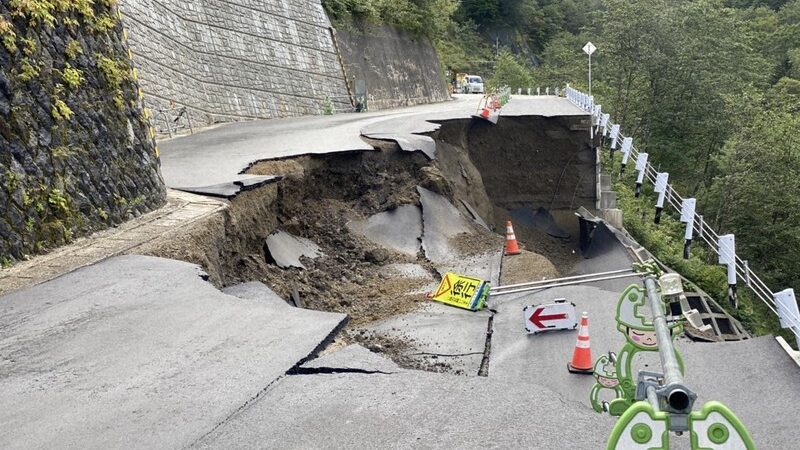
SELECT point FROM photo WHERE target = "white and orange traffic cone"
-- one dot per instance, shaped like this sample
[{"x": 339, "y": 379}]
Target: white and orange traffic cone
[
  {"x": 511, "y": 240},
  {"x": 582, "y": 356}
]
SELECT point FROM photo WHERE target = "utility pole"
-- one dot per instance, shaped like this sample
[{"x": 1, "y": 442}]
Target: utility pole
[{"x": 589, "y": 48}]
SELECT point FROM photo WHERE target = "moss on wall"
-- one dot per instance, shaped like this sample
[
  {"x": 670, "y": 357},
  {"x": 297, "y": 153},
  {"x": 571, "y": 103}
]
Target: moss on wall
[{"x": 76, "y": 152}]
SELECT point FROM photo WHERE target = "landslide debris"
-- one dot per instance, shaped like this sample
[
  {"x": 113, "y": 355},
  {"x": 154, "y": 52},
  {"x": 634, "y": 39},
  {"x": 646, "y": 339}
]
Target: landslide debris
[{"x": 316, "y": 198}]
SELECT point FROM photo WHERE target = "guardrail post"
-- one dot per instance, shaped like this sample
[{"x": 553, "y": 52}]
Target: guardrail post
[
  {"x": 788, "y": 313},
  {"x": 627, "y": 144},
  {"x": 641, "y": 167},
  {"x": 661, "y": 189},
  {"x": 687, "y": 217},
  {"x": 727, "y": 255}
]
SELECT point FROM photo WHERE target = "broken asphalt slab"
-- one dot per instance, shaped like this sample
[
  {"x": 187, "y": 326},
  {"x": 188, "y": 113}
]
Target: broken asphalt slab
[
  {"x": 353, "y": 358},
  {"x": 440, "y": 334},
  {"x": 410, "y": 409},
  {"x": 286, "y": 249},
  {"x": 231, "y": 189},
  {"x": 399, "y": 229},
  {"x": 219, "y": 155},
  {"x": 441, "y": 221},
  {"x": 140, "y": 352},
  {"x": 408, "y": 142},
  {"x": 255, "y": 290}
]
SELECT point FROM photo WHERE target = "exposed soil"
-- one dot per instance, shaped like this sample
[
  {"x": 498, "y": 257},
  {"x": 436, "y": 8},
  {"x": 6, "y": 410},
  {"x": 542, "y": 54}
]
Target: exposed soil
[
  {"x": 320, "y": 194},
  {"x": 316, "y": 200},
  {"x": 399, "y": 350},
  {"x": 525, "y": 267},
  {"x": 562, "y": 254},
  {"x": 476, "y": 244}
]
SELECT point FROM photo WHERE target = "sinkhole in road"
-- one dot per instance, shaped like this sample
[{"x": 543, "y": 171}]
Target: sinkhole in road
[{"x": 368, "y": 214}]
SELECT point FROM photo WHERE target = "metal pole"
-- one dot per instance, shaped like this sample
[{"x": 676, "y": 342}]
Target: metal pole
[
  {"x": 557, "y": 280},
  {"x": 590, "y": 74},
  {"x": 652, "y": 398},
  {"x": 566, "y": 283},
  {"x": 672, "y": 373},
  {"x": 679, "y": 397}
]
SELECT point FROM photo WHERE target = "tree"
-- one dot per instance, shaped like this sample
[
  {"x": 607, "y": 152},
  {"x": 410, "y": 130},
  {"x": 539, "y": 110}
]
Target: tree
[
  {"x": 509, "y": 72},
  {"x": 758, "y": 186}
]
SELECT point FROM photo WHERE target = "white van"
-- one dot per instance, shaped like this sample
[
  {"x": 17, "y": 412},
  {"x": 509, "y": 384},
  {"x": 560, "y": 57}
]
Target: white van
[{"x": 473, "y": 84}]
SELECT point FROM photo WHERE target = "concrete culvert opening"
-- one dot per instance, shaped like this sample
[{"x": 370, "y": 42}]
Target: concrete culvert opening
[{"x": 376, "y": 259}]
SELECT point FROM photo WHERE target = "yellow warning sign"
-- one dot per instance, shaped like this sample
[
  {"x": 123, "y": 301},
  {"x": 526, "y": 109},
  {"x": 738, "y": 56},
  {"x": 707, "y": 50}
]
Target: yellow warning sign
[{"x": 463, "y": 292}]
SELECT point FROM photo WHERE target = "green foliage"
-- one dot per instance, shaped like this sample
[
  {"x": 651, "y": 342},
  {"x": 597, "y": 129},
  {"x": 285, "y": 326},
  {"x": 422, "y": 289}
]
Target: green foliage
[
  {"x": 59, "y": 202},
  {"x": 62, "y": 152},
  {"x": 36, "y": 11},
  {"x": 8, "y": 35},
  {"x": 105, "y": 23},
  {"x": 45, "y": 12},
  {"x": 28, "y": 46},
  {"x": 60, "y": 110},
  {"x": 28, "y": 70},
  {"x": 72, "y": 77},
  {"x": 327, "y": 107},
  {"x": 115, "y": 73},
  {"x": 666, "y": 243},
  {"x": 462, "y": 49},
  {"x": 508, "y": 71},
  {"x": 429, "y": 18},
  {"x": 73, "y": 49},
  {"x": 758, "y": 185}
]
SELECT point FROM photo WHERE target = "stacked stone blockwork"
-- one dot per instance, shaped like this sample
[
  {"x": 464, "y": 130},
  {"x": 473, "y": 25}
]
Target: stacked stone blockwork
[
  {"x": 76, "y": 153},
  {"x": 235, "y": 59}
]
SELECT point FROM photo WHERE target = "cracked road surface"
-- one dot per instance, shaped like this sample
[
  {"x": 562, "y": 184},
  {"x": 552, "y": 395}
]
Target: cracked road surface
[
  {"x": 219, "y": 155},
  {"x": 140, "y": 352}
]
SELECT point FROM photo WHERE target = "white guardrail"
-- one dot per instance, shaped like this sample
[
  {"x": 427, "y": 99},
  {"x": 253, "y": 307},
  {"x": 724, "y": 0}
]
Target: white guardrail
[{"x": 782, "y": 303}]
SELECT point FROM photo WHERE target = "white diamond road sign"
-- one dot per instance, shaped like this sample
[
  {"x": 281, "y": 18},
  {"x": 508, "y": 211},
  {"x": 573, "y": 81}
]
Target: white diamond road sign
[{"x": 589, "y": 48}]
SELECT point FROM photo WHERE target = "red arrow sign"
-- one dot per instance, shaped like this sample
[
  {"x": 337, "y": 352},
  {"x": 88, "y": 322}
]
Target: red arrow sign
[{"x": 537, "y": 318}]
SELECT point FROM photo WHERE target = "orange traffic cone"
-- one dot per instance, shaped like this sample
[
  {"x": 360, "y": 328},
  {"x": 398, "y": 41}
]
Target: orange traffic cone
[
  {"x": 582, "y": 356},
  {"x": 511, "y": 241}
]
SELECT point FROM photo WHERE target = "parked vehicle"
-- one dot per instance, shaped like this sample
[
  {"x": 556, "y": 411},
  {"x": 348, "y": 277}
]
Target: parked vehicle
[
  {"x": 473, "y": 85},
  {"x": 468, "y": 84}
]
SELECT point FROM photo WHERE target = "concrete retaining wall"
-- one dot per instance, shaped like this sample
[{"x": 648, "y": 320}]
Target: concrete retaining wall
[
  {"x": 235, "y": 59},
  {"x": 399, "y": 69}
]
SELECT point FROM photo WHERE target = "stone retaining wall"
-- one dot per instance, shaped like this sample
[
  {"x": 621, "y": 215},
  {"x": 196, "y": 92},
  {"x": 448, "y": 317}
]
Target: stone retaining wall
[{"x": 76, "y": 153}]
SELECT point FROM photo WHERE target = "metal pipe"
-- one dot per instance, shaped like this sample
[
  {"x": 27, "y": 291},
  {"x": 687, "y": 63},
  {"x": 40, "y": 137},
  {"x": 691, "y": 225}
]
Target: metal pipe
[
  {"x": 678, "y": 396},
  {"x": 652, "y": 397},
  {"x": 553, "y": 280},
  {"x": 568, "y": 283},
  {"x": 672, "y": 372}
]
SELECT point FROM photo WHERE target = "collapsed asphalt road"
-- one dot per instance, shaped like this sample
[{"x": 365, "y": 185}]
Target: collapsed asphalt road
[{"x": 143, "y": 352}]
